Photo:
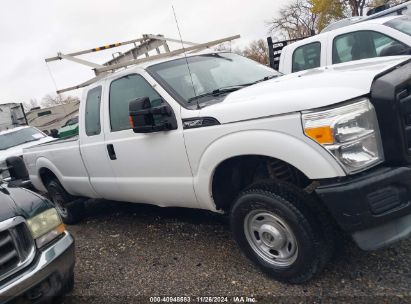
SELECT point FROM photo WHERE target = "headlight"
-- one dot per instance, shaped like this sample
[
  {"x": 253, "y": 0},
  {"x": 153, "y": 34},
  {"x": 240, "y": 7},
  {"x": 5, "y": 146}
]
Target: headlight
[
  {"x": 45, "y": 227},
  {"x": 350, "y": 133}
]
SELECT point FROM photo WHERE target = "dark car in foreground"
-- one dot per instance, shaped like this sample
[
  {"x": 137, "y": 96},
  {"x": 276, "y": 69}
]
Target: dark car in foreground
[{"x": 36, "y": 252}]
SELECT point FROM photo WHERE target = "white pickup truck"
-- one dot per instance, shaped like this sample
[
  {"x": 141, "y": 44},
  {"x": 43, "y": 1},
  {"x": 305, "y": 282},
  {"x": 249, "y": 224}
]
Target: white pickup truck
[
  {"x": 292, "y": 159},
  {"x": 385, "y": 36}
]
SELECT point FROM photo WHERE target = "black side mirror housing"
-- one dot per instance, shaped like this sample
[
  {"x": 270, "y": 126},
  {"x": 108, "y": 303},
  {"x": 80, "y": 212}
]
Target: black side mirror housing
[
  {"x": 142, "y": 116},
  {"x": 19, "y": 176},
  {"x": 54, "y": 133}
]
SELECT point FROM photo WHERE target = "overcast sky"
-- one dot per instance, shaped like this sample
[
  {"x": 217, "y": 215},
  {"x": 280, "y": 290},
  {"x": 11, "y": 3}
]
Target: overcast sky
[{"x": 31, "y": 30}]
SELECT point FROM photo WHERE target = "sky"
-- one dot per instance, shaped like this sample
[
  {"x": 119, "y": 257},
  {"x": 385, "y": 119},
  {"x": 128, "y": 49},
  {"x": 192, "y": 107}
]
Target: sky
[{"x": 31, "y": 31}]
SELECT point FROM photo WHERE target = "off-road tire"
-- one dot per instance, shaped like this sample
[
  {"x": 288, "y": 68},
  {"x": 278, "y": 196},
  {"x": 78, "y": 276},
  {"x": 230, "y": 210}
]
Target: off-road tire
[{"x": 313, "y": 233}]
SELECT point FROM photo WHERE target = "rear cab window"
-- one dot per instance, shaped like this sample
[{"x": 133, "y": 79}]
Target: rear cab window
[
  {"x": 92, "y": 117},
  {"x": 306, "y": 57},
  {"x": 364, "y": 44},
  {"x": 402, "y": 24}
]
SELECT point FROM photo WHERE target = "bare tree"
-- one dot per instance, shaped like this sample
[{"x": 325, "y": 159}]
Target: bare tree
[
  {"x": 375, "y": 3},
  {"x": 295, "y": 20},
  {"x": 226, "y": 47},
  {"x": 32, "y": 103},
  {"x": 258, "y": 51},
  {"x": 357, "y": 6},
  {"x": 57, "y": 99}
]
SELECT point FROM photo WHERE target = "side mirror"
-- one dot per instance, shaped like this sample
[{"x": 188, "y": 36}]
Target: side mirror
[
  {"x": 19, "y": 175},
  {"x": 147, "y": 119},
  {"x": 54, "y": 133}
]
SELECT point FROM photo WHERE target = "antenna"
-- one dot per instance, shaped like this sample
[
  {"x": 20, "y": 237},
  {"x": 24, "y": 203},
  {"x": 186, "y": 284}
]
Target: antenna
[{"x": 185, "y": 56}]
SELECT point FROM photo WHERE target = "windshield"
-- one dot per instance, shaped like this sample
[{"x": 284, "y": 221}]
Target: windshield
[
  {"x": 19, "y": 137},
  {"x": 211, "y": 73},
  {"x": 71, "y": 122},
  {"x": 402, "y": 24}
]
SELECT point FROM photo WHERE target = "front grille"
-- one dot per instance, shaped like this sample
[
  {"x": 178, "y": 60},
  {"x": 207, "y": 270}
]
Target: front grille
[
  {"x": 404, "y": 99},
  {"x": 16, "y": 246},
  {"x": 9, "y": 257},
  {"x": 390, "y": 95}
]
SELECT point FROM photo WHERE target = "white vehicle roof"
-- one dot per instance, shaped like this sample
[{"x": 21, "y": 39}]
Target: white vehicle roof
[{"x": 354, "y": 27}]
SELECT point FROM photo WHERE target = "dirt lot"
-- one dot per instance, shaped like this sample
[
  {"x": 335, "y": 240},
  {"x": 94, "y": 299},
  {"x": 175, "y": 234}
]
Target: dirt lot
[{"x": 129, "y": 253}]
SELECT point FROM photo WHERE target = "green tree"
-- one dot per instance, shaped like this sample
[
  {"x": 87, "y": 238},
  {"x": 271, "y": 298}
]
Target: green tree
[{"x": 327, "y": 11}]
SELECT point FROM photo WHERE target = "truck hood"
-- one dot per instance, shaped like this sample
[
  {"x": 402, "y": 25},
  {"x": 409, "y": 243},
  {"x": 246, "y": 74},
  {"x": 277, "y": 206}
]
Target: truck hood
[
  {"x": 20, "y": 202},
  {"x": 18, "y": 150},
  {"x": 302, "y": 91}
]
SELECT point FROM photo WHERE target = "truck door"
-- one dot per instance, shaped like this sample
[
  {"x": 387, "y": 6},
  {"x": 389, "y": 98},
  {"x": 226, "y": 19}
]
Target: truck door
[
  {"x": 92, "y": 144},
  {"x": 152, "y": 167}
]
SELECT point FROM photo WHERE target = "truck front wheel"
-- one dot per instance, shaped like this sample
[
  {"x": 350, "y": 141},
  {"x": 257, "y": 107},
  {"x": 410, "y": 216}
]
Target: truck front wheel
[
  {"x": 71, "y": 210},
  {"x": 277, "y": 230}
]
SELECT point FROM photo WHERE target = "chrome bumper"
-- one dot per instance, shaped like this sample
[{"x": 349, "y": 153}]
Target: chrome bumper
[{"x": 58, "y": 259}]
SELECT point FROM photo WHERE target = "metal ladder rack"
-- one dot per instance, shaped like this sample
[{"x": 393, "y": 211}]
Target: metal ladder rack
[{"x": 131, "y": 57}]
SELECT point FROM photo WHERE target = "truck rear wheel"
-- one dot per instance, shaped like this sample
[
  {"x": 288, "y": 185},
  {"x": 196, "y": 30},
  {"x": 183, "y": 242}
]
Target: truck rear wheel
[
  {"x": 69, "y": 207},
  {"x": 276, "y": 229}
]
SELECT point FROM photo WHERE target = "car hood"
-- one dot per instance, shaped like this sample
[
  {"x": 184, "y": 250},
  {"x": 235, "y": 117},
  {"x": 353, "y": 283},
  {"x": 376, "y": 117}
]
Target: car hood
[
  {"x": 302, "y": 91},
  {"x": 20, "y": 202},
  {"x": 18, "y": 150}
]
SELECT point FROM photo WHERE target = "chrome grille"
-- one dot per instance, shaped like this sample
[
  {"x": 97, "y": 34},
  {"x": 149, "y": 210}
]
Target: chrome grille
[
  {"x": 9, "y": 257},
  {"x": 17, "y": 248}
]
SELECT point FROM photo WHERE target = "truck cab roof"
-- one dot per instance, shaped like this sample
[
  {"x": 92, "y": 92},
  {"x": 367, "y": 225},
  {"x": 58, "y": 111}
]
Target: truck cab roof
[
  {"x": 352, "y": 27},
  {"x": 398, "y": 10}
]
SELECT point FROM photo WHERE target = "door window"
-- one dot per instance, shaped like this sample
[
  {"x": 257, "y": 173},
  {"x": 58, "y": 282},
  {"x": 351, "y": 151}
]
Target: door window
[
  {"x": 307, "y": 57},
  {"x": 364, "y": 44},
  {"x": 402, "y": 24},
  {"x": 124, "y": 90},
  {"x": 93, "y": 126}
]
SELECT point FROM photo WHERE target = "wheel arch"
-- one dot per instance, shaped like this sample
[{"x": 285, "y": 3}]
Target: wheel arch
[
  {"x": 306, "y": 157},
  {"x": 47, "y": 172}
]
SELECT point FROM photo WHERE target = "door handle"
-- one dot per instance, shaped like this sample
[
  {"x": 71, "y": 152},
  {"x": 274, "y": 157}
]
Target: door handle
[{"x": 111, "y": 152}]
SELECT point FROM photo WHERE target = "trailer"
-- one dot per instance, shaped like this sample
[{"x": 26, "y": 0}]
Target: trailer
[{"x": 12, "y": 115}]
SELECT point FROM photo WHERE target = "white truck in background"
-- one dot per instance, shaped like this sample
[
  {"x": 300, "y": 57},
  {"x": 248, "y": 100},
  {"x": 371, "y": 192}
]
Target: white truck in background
[
  {"x": 385, "y": 36},
  {"x": 292, "y": 159}
]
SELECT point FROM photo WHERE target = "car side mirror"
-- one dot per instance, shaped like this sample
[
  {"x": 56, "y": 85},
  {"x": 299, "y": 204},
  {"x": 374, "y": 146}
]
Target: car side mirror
[
  {"x": 19, "y": 175},
  {"x": 147, "y": 119},
  {"x": 54, "y": 133}
]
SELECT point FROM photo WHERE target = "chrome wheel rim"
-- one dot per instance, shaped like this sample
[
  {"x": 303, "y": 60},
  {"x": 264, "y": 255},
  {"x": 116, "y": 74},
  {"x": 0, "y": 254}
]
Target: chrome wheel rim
[
  {"x": 271, "y": 238},
  {"x": 58, "y": 201}
]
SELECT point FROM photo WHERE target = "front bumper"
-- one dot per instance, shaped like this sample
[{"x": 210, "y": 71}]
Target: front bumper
[
  {"x": 46, "y": 277},
  {"x": 374, "y": 207}
]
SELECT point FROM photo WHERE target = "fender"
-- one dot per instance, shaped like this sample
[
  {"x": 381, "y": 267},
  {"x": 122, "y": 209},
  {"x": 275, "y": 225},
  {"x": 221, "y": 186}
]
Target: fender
[
  {"x": 75, "y": 186},
  {"x": 302, "y": 153}
]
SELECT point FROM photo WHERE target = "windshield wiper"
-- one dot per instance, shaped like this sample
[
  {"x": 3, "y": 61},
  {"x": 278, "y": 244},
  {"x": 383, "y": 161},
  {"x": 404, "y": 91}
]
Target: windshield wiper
[
  {"x": 218, "y": 92},
  {"x": 229, "y": 89},
  {"x": 264, "y": 79}
]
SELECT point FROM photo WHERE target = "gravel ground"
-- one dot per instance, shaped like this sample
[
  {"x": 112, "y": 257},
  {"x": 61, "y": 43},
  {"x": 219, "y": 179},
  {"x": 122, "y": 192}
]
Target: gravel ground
[{"x": 128, "y": 253}]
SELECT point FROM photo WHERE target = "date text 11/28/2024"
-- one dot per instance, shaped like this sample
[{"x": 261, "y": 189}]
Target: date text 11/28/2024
[{"x": 208, "y": 299}]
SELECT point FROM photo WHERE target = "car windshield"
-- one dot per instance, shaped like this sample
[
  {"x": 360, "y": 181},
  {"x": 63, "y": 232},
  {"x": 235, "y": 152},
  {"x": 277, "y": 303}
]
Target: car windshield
[
  {"x": 402, "y": 24},
  {"x": 209, "y": 78},
  {"x": 71, "y": 122},
  {"x": 16, "y": 138}
]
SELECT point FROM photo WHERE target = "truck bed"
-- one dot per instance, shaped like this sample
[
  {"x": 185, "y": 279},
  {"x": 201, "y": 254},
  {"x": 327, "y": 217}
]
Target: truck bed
[{"x": 63, "y": 158}]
